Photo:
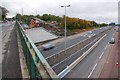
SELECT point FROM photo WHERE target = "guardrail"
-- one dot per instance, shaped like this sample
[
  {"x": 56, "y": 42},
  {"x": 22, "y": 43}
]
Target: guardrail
[{"x": 38, "y": 67}]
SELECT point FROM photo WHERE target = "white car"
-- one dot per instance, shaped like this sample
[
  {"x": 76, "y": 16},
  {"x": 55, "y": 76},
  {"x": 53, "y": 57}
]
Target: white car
[{"x": 90, "y": 32}]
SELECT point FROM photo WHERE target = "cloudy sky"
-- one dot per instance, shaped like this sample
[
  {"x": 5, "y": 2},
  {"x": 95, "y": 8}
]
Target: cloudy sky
[{"x": 98, "y": 10}]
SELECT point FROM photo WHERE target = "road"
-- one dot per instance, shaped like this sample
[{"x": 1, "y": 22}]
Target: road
[
  {"x": 63, "y": 64},
  {"x": 95, "y": 59},
  {"x": 10, "y": 57},
  {"x": 70, "y": 42},
  {"x": 110, "y": 70},
  {"x": 92, "y": 64}
]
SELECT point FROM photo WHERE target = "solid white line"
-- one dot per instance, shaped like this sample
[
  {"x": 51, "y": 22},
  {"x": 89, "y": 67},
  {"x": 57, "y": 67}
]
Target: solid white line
[
  {"x": 64, "y": 72},
  {"x": 72, "y": 65},
  {"x": 92, "y": 70},
  {"x": 66, "y": 48},
  {"x": 74, "y": 53}
]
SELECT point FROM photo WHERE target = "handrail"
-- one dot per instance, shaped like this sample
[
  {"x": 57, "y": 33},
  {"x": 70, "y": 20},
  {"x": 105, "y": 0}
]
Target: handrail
[{"x": 38, "y": 67}]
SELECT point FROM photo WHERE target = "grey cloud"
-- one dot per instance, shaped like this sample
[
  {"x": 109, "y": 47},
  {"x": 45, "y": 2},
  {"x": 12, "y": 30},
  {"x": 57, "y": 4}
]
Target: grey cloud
[{"x": 106, "y": 11}]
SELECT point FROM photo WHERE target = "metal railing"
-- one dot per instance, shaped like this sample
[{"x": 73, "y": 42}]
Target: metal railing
[{"x": 38, "y": 67}]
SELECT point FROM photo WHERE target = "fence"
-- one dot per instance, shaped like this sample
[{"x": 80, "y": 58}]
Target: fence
[{"x": 36, "y": 63}]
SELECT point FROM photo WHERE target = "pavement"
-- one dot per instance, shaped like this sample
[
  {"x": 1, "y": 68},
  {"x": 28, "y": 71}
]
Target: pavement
[
  {"x": 10, "y": 61},
  {"x": 119, "y": 51},
  {"x": 110, "y": 70}
]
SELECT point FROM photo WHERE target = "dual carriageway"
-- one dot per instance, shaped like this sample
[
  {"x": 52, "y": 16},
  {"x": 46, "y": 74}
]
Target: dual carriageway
[{"x": 85, "y": 55}]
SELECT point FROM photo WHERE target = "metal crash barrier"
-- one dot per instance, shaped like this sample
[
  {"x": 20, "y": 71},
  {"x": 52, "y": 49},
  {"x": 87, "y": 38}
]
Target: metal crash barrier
[{"x": 38, "y": 67}]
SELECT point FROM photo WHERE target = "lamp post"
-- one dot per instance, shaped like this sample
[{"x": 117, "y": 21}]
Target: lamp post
[
  {"x": 99, "y": 21},
  {"x": 65, "y": 24}
]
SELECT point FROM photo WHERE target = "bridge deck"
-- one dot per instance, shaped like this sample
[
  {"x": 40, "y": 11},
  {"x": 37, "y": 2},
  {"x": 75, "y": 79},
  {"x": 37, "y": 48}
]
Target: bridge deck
[{"x": 11, "y": 63}]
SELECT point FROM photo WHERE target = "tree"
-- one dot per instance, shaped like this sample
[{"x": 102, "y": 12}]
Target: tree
[
  {"x": 103, "y": 24},
  {"x": 18, "y": 17},
  {"x": 3, "y": 12},
  {"x": 76, "y": 23}
]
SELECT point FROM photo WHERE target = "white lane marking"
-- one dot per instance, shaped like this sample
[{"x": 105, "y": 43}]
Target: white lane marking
[
  {"x": 66, "y": 49},
  {"x": 113, "y": 34},
  {"x": 109, "y": 45},
  {"x": 72, "y": 65},
  {"x": 74, "y": 53},
  {"x": 103, "y": 51},
  {"x": 105, "y": 47},
  {"x": 64, "y": 72},
  {"x": 101, "y": 55},
  {"x": 92, "y": 70}
]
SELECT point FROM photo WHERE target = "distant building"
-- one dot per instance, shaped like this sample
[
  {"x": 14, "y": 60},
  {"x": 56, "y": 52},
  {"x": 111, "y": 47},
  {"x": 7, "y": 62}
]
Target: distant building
[
  {"x": 112, "y": 24},
  {"x": 119, "y": 12}
]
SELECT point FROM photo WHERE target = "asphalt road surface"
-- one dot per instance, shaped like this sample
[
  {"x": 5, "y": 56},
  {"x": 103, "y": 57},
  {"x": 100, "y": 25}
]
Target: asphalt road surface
[
  {"x": 63, "y": 64},
  {"x": 91, "y": 65},
  {"x": 10, "y": 57},
  {"x": 70, "y": 42}
]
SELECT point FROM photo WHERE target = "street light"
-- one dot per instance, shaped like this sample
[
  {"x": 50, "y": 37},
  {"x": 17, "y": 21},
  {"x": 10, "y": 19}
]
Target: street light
[
  {"x": 99, "y": 20},
  {"x": 65, "y": 24}
]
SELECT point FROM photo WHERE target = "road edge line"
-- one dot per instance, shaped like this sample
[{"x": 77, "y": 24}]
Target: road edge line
[{"x": 72, "y": 65}]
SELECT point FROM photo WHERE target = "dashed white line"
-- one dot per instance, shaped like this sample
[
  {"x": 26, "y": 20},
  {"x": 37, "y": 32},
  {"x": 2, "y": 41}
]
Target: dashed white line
[
  {"x": 108, "y": 45},
  {"x": 92, "y": 70},
  {"x": 71, "y": 66},
  {"x": 104, "y": 50},
  {"x": 105, "y": 47},
  {"x": 101, "y": 55}
]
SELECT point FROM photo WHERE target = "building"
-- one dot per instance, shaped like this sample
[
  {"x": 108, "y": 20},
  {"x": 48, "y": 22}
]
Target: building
[{"x": 112, "y": 24}]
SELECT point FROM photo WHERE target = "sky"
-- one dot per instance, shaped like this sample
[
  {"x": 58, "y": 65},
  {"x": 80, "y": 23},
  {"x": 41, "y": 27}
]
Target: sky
[{"x": 97, "y": 10}]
